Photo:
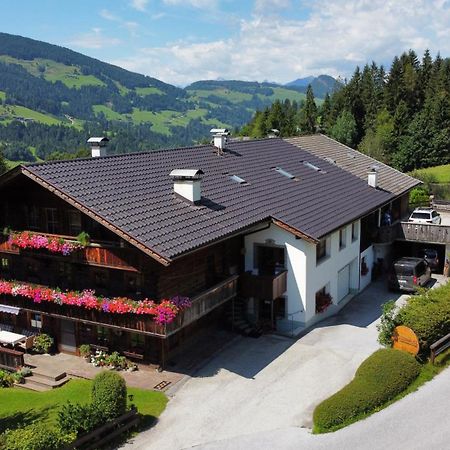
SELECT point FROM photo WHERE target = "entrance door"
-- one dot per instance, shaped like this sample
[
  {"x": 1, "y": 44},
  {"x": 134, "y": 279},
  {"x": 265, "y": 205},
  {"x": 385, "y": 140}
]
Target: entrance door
[
  {"x": 67, "y": 341},
  {"x": 343, "y": 282}
]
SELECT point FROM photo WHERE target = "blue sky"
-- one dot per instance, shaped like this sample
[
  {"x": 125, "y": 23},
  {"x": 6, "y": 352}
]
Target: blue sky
[{"x": 180, "y": 41}]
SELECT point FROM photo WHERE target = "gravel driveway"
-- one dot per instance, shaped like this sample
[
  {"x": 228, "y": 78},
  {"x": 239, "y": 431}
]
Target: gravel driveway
[{"x": 270, "y": 383}]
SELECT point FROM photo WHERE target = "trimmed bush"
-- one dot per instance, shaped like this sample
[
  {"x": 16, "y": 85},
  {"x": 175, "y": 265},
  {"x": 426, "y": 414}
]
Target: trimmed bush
[
  {"x": 38, "y": 436},
  {"x": 78, "y": 419},
  {"x": 382, "y": 376},
  {"x": 428, "y": 315},
  {"x": 109, "y": 394}
]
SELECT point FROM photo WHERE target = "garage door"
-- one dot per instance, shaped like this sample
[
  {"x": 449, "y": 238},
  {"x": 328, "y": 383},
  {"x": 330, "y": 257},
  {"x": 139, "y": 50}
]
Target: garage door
[{"x": 343, "y": 282}]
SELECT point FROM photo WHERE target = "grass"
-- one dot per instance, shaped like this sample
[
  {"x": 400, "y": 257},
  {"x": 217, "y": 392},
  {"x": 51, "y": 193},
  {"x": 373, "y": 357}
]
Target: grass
[
  {"x": 20, "y": 407},
  {"x": 10, "y": 112},
  {"x": 427, "y": 372},
  {"x": 54, "y": 71},
  {"x": 148, "y": 91},
  {"x": 109, "y": 113},
  {"x": 2, "y": 95},
  {"x": 441, "y": 174}
]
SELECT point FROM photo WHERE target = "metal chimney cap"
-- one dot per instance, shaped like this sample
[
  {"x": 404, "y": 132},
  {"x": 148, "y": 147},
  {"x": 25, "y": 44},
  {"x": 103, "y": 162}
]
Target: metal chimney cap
[
  {"x": 98, "y": 140},
  {"x": 186, "y": 174},
  {"x": 220, "y": 131}
]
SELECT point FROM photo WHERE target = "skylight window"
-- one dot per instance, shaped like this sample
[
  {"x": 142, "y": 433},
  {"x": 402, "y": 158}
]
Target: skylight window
[
  {"x": 284, "y": 173},
  {"x": 238, "y": 179},
  {"x": 313, "y": 167}
]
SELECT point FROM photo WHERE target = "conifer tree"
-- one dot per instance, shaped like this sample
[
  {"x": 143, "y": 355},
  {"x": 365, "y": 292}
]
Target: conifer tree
[{"x": 308, "y": 117}]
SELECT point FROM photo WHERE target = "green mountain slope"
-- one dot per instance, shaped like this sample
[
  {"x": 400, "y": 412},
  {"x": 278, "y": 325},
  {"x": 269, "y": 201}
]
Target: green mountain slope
[{"x": 52, "y": 98}]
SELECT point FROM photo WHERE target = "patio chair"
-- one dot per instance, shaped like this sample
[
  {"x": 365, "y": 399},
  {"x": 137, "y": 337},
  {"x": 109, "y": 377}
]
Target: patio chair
[{"x": 27, "y": 344}]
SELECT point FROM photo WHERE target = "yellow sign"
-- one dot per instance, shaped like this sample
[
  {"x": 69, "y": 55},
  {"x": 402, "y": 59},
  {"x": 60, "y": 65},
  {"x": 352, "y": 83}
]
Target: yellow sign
[{"x": 405, "y": 339}]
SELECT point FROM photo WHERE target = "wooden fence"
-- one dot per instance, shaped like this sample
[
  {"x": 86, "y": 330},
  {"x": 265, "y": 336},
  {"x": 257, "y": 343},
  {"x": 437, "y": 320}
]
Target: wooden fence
[
  {"x": 106, "y": 433},
  {"x": 10, "y": 359}
]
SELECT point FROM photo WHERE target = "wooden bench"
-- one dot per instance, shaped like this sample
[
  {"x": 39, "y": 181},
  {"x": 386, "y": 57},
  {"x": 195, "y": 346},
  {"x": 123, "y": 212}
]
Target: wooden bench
[
  {"x": 439, "y": 346},
  {"x": 101, "y": 348}
]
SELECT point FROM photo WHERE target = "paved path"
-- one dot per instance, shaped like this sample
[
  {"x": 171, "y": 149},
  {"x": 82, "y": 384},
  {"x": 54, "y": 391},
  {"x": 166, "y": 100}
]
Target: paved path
[
  {"x": 417, "y": 422},
  {"x": 270, "y": 383}
]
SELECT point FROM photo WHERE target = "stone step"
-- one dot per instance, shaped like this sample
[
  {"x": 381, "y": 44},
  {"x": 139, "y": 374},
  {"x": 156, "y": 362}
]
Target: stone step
[
  {"x": 46, "y": 374},
  {"x": 43, "y": 383}
]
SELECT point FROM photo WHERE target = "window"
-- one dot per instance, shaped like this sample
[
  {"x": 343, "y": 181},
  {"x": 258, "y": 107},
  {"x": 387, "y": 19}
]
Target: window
[
  {"x": 36, "y": 321},
  {"x": 51, "y": 217},
  {"x": 74, "y": 222},
  {"x": 138, "y": 341},
  {"x": 354, "y": 231},
  {"x": 33, "y": 217},
  {"x": 322, "y": 250},
  {"x": 5, "y": 263},
  {"x": 102, "y": 335},
  {"x": 342, "y": 238}
]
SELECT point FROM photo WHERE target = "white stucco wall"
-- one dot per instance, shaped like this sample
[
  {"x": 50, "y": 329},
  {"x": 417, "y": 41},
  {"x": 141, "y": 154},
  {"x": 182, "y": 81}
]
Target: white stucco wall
[{"x": 304, "y": 277}]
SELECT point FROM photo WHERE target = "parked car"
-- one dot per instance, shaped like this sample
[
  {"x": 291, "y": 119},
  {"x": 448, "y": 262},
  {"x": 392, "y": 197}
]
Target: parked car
[
  {"x": 425, "y": 215},
  {"x": 408, "y": 273},
  {"x": 430, "y": 255}
]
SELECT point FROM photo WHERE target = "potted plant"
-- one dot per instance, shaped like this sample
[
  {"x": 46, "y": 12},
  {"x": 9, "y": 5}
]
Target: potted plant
[
  {"x": 85, "y": 351},
  {"x": 43, "y": 343}
]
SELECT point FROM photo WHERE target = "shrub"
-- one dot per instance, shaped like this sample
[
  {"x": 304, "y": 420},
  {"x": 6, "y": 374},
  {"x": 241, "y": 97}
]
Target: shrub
[
  {"x": 6, "y": 379},
  {"x": 85, "y": 350},
  {"x": 84, "y": 239},
  {"x": 78, "y": 419},
  {"x": 116, "y": 361},
  {"x": 419, "y": 196},
  {"x": 43, "y": 343},
  {"x": 382, "y": 376},
  {"x": 38, "y": 436},
  {"x": 387, "y": 324},
  {"x": 109, "y": 394},
  {"x": 428, "y": 315}
]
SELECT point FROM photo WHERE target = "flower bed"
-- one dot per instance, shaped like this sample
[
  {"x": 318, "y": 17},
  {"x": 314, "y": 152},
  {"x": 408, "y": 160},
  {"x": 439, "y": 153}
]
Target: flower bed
[
  {"x": 162, "y": 312},
  {"x": 28, "y": 240}
]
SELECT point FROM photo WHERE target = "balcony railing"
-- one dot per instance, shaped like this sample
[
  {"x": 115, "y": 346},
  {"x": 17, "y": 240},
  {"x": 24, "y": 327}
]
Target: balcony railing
[
  {"x": 205, "y": 302},
  {"x": 98, "y": 253},
  {"x": 264, "y": 287},
  {"x": 430, "y": 233},
  {"x": 201, "y": 305}
]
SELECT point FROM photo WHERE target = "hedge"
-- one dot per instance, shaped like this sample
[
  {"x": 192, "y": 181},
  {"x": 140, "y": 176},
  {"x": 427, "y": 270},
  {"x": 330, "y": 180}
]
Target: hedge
[
  {"x": 382, "y": 376},
  {"x": 428, "y": 315}
]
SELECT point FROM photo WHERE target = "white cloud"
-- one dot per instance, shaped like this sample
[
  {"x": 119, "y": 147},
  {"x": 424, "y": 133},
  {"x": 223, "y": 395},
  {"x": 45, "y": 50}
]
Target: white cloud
[
  {"x": 140, "y": 5},
  {"x": 336, "y": 36},
  {"x": 94, "y": 39},
  {"x": 108, "y": 15},
  {"x": 200, "y": 4},
  {"x": 271, "y": 6}
]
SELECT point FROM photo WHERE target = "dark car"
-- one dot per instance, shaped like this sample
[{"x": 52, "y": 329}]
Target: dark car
[
  {"x": 430, "y": 255},
  {"x": 407, "y": 274}
]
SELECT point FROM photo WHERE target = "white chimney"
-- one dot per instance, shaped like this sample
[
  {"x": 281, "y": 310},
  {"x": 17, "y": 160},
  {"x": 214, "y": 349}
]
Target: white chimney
[
  {"x": 372, "y": 178},
  {"x": 98, "y": 146},
  {"x": 220, "y": 138},
  {"x": 187, "y": 184}
]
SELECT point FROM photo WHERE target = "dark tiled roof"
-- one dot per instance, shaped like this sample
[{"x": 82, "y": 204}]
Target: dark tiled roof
[
  {"x": 355, "y": 162},
  {"x": 135, "y": 193}
]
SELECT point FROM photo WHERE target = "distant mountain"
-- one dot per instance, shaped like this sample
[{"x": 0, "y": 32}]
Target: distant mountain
[
  {"x": 52, "y": 98},
  {"x": 301, "y": 82},
  {"x": 321, "y": 85}
]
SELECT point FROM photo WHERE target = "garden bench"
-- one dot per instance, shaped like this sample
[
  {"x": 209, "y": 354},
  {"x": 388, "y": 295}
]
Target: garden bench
[{"x": 439, "y": 346}]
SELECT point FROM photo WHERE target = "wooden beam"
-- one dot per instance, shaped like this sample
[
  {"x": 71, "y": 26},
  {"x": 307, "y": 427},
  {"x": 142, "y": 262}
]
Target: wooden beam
[
  {"x": 295, "y": 232},
  {"x": 67, "y": 198}
]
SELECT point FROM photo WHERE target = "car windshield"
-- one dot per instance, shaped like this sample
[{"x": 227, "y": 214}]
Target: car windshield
[{"x": 420, "y": 215}]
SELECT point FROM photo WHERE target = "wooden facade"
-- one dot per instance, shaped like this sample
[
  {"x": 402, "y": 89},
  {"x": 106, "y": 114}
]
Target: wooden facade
[{"x": 111, "y": 267}]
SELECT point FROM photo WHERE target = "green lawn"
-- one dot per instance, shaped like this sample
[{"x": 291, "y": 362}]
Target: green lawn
[
  {"x": 109, "y": 113},
  {"x": 441, "y": 174},
  {"x": 2, "y": 95},
  {"x": 20, "y": 407}
]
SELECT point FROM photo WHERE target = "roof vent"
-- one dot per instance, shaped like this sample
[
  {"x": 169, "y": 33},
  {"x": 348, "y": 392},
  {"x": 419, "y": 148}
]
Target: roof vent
[
  {"x": 330, "y": 160},
  {"x": 372, "y": 178},
  {"x": 238, "y": 179},
  {"x": 98, "y": 146},
  {"x": 220, "y": 138},
  {"x": 187, "y": 184}
]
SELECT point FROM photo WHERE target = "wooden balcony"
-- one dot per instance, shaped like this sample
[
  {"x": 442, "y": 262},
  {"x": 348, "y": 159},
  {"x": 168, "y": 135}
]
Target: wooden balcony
[
  {"x": 204, "y": 303},
  {"x": 264, "y": 287},
  {"x": 98, "y": 253},
  {"x": 429, "y": 233},
  {"x": 201, "y": 304}
]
